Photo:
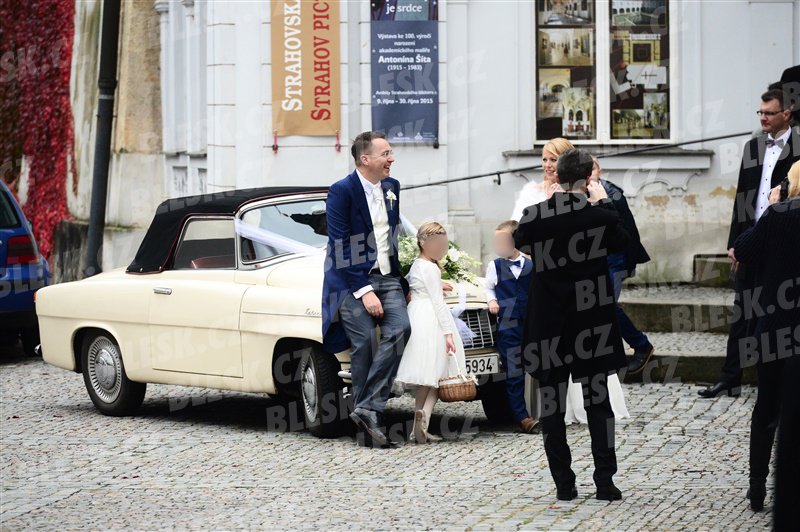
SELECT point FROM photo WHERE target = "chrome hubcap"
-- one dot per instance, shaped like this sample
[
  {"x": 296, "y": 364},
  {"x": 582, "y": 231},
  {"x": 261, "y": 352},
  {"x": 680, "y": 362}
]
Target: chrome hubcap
[
  {"x": 105, "y": 369},
  {"x": 309, "y": 390}
]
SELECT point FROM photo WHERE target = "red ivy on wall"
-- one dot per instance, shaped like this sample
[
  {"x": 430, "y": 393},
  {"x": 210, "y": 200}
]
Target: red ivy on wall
[{"x": 35, "y": 111}]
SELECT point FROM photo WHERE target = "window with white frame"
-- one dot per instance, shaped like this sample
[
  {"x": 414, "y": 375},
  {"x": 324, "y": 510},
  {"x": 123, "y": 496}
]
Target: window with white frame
[
  {"x": 603, "y": 71},
  {"x": 183, "y": 94}
]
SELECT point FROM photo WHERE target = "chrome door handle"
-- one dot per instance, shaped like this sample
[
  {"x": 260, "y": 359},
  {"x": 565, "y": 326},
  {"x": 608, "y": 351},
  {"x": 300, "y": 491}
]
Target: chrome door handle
[{"x": 162, "y": 290}]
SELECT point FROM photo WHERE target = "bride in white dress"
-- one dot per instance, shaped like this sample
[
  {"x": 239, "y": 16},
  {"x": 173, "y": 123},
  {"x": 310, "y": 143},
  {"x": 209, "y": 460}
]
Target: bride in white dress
[
  {"x": 435, "y": 347},
  {"x": 531, "y": 194},
  {"x": 536, "y": 192}
]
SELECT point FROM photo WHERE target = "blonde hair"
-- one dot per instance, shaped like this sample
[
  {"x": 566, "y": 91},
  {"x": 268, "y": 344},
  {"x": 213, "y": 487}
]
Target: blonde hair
[
  {"x": 558, "y": 145},
  {"x": 508, "y": 225},
  {"x": 427, "y": 230},
  {"x": 794, "y": 180}
]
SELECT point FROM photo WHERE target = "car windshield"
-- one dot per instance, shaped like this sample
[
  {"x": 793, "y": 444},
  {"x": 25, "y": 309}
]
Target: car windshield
[
  {"x": 282, "y": 228},
  {"x": 8, "y": 214}
]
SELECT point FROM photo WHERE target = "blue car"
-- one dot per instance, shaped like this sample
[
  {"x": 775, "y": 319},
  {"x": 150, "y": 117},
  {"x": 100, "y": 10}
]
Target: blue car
[{"x": 23, "y": 271}]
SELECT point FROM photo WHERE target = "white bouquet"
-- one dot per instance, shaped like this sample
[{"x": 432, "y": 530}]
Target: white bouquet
[{"x": 457, "y": 263}]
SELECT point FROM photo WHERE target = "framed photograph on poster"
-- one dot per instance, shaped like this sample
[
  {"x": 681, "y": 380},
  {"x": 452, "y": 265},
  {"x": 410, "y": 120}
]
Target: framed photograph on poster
[
  {"x": 639, "y": 60},
  {"x": 626, "y": 13},
  {"x": 565, "y": 12},
  {"x": 566, "y": 47},
  {"x": 566, "y": 68},
  {"x": 628, "y": 123},
  {"x": 565, "y": 104}
]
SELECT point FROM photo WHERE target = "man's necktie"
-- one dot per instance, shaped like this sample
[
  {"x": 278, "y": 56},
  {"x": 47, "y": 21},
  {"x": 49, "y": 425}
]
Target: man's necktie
[{"x": 377, "y": 195}]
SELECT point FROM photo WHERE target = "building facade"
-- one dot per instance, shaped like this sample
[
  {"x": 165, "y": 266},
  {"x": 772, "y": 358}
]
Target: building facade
[{"x": 194, "y": 109}]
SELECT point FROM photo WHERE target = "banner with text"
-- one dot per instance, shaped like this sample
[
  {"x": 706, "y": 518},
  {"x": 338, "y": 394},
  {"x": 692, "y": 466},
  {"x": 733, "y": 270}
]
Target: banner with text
[
  {"x": 305, "y": 67},
  {"x": 405, "y": 70}
]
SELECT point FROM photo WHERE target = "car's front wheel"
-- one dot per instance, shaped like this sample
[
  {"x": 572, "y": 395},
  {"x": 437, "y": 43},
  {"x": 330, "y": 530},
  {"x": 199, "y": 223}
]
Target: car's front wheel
[
  {"x": 104, "y": 375},
  {"x": 321, "y": 394}
]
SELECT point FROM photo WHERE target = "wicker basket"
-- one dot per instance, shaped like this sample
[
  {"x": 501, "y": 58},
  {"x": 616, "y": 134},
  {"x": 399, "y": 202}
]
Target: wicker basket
[{"x": 458, "y": 387}]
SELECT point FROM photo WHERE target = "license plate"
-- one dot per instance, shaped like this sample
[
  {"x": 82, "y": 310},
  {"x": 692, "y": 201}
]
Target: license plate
[{"x": 482, "y": 365}]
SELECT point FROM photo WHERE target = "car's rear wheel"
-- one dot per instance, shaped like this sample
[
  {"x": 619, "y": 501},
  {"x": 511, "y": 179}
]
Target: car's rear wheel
[
  {"x": 104, "y": 375},
  {"x": 321, "y": 394}
]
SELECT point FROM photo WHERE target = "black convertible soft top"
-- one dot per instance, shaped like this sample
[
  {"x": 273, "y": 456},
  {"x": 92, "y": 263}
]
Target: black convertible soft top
[{"x": 162, "y": 236}]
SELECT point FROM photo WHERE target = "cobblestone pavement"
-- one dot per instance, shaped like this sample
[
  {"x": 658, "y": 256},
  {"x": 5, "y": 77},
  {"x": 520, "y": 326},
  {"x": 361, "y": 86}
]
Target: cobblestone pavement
[
  {"x": 688, "y": 343},
  {"x": 668, "y": 293},
  {"x": 204, "y": 459}
]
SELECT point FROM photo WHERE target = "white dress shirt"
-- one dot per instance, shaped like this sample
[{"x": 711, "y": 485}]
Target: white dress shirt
[
  {"x": 380, "y": 226},
  {"x": 771, "y": 156},
  {"x": 491, "y": 275}
]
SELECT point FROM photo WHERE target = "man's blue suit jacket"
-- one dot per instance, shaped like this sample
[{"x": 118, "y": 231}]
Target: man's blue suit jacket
[{"x": 351, "y": 251}]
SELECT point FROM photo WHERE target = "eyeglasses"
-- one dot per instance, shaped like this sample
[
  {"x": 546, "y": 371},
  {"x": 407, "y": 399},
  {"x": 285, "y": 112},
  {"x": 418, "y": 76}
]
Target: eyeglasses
[
  {"x": 769, "y": 113},
  {"x": 384, "y": 154}
]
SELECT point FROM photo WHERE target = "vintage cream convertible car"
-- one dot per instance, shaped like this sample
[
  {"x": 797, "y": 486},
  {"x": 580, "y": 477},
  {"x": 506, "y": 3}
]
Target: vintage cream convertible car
[{"x": 224, "y": 293}]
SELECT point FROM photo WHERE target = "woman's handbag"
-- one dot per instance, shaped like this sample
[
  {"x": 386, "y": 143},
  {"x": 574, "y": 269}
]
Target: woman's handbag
[{"x": 460, "y": 387}]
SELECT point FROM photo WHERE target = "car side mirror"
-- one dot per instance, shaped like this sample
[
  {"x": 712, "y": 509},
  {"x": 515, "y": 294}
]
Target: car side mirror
[{"x": 30, "y": 225}]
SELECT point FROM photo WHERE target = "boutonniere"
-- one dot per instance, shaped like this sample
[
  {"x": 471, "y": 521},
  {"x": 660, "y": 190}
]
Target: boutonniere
[{"x": 391, "y": 197}]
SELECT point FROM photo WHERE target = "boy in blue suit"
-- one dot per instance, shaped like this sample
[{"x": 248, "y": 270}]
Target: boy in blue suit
[
  {"x": 363, "y": 287},
  {"x": 508, "y": 280}
]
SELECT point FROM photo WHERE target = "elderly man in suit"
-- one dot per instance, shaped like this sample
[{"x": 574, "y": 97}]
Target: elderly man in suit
[
  {"x": 765, "y": 163},
  {"x": 363, "y": 289},
  {"x": 571, "y": 324}
]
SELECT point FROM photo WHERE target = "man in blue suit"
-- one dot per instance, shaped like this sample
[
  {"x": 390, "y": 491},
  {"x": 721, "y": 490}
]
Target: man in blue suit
[{"x": 363, "y": 286}]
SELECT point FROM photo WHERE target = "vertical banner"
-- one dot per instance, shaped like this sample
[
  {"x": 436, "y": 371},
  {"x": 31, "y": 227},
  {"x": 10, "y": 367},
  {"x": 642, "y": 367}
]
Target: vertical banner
[
  {"x": 405, "y": 70},
  {"x": 305, "y": 67}
]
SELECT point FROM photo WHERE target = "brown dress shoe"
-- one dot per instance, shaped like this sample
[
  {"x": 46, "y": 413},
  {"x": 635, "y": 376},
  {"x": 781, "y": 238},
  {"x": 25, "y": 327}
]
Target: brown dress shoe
[{"x": 528, "y": 424}]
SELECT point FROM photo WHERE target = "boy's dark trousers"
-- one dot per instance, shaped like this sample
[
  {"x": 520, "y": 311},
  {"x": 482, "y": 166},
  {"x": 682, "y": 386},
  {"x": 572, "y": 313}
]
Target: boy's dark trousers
[{"x": 509, "y": 343}]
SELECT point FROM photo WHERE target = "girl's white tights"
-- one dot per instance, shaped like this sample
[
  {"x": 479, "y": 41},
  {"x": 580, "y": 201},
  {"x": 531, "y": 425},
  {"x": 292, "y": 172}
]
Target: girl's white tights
[{"x": 426, "y": 398}]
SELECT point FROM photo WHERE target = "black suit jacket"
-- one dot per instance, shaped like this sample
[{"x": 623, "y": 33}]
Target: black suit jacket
[
  {"x": 744, "y": 205},
  {"x": 771, "y": 248},
  {"x": 635, "y": 252},
  {"x": 571, "y": 318}
]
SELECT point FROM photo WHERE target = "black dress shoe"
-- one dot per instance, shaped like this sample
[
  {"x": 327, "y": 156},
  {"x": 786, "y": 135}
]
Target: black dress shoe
[
  {"x": 365, "y": 422},
  {"x": 608, "y": 493},
  {"x": 757, "y": 493},
  {"x": 721, "y": 388},
  {"x": 567, "y": 494},
  {"x": 640, "y": 359}
]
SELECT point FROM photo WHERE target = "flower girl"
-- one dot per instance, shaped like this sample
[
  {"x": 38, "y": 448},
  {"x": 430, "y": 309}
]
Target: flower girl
[{"x": 434, "y": 335}]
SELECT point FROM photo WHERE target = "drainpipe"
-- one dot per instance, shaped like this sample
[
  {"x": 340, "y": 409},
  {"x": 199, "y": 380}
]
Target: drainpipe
[{"x": 107, "y": 84}]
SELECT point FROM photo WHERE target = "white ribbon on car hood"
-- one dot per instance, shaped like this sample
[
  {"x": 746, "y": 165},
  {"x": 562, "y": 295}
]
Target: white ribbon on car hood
[
  {"x": 280, "y": 242},
  {"x": 408, "y": 227},
  {"x": 274, "y": 240},
  {"x": 463, "y": 329},
  {"x": 285, "y": 244}
]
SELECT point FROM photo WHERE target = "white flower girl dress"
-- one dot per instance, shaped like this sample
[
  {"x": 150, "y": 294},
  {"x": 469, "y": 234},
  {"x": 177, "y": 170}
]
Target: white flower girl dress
[{"x": 425, "y": 359}]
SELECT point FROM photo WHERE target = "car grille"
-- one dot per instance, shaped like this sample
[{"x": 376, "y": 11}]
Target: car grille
[{"x": 479, "y": 322}]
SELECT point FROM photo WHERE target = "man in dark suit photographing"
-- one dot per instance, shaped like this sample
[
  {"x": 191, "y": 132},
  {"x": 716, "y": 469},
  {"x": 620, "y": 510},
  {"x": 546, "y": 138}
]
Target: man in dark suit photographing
[
  {"x": 765, "y": 163},
  {"x": 571, "y": 325}
]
